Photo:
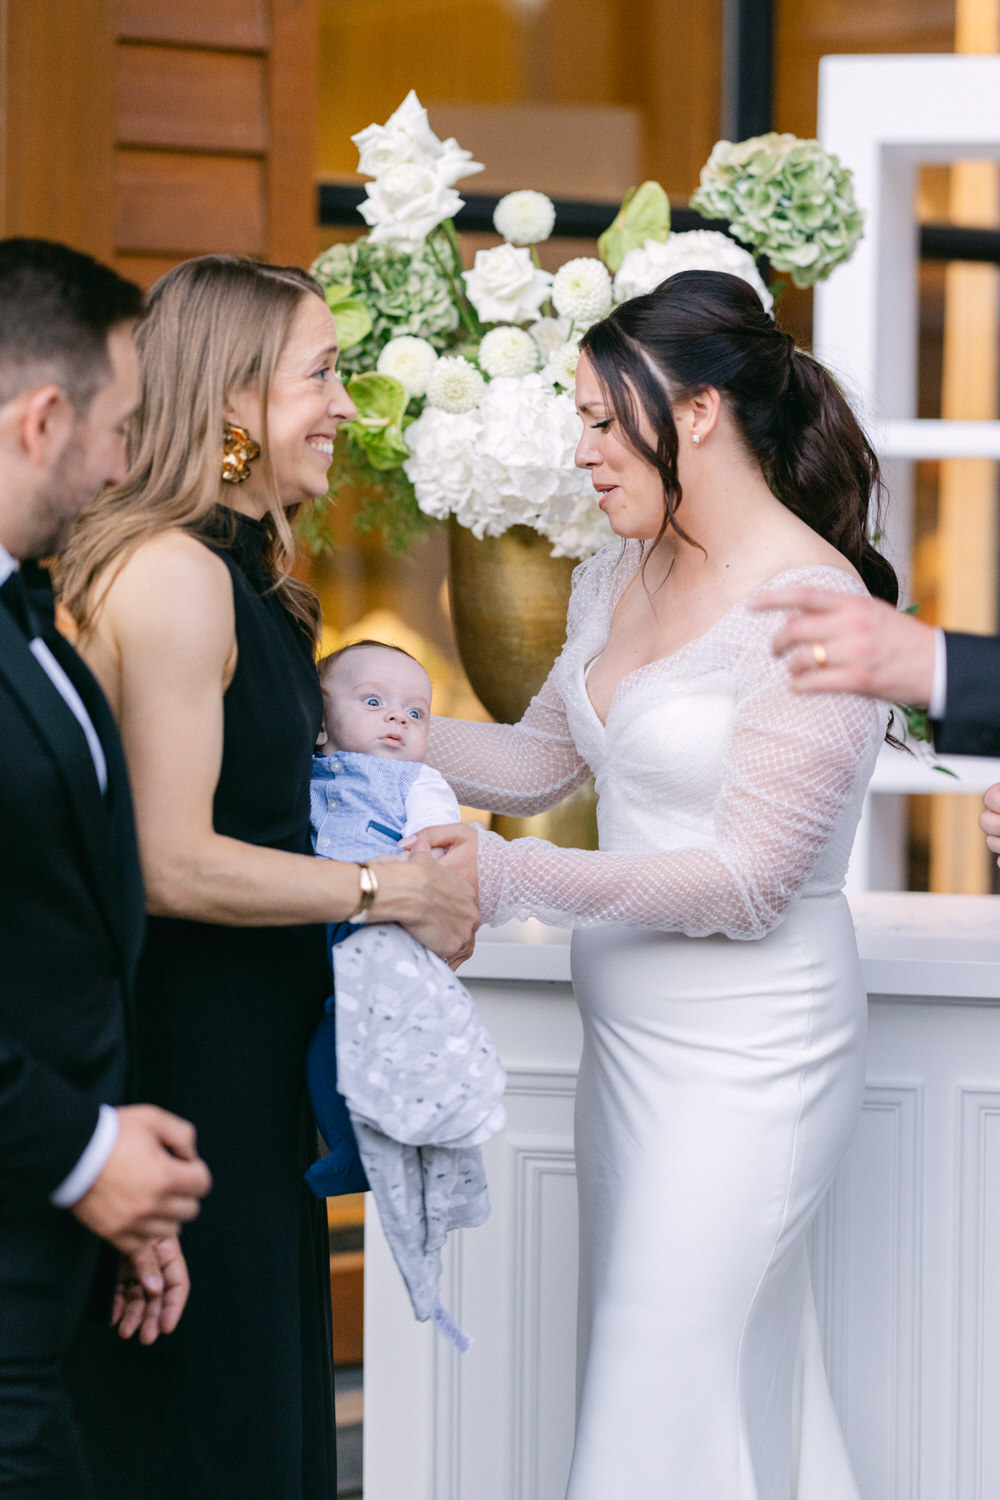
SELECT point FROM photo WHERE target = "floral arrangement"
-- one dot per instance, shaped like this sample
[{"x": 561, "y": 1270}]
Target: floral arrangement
[
  {"x": 788, "y": 198},
  {"x": 463, "y": 378}
]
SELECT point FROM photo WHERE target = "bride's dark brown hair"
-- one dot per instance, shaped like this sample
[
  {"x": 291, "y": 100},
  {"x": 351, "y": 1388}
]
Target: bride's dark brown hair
[{"x": 702, "y": 329}]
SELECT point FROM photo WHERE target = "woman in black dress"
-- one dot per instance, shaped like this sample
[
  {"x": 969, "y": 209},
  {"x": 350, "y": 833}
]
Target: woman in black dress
[{"x": 204, "y": 643}]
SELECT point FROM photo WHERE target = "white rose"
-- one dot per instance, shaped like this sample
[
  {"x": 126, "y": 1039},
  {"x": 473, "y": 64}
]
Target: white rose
[
  {"x": 454, "y": 385},
  {"x": 550, "y": 334},
  {"x": 405, "y": 204},
  {"x": 508, "y": 351},
  {"x": 409, "y": 360},
  {"x": 504, "y": 285},
  {"x": 695, "y": 250},
  {"x": 525, "y": 218},
  {"x": 407, "y": 137},
  {"x": 581, "y": 291}
]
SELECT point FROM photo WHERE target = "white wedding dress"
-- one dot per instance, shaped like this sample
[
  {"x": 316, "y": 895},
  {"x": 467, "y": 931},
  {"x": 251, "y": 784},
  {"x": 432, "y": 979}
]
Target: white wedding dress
[{"x": 724, "y": 1027}]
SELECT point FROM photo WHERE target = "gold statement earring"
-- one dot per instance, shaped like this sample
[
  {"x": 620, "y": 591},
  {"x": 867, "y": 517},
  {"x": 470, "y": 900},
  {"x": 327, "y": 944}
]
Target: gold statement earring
[{"x": 238, "y": 452}]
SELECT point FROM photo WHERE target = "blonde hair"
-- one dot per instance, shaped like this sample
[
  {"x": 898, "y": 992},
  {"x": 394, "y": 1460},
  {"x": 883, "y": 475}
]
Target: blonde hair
[{"x": 215, "y": 325}]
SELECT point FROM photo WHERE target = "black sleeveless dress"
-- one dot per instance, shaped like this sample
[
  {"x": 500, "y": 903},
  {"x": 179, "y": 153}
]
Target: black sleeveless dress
[{"x": 237, "y": 1404}]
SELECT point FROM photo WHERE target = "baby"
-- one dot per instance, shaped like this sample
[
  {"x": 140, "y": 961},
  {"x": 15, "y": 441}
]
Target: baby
[
  {"x": 401, "y": 1041},
  {"x": 372, "y": 789}
]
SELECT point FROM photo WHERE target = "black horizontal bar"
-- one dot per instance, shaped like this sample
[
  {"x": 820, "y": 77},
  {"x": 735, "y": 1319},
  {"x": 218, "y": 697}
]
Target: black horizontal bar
[
  {"x": 575, "y": 218},
  {"x": 580, "y": 219},
  {"x": 956, "y": 242}
]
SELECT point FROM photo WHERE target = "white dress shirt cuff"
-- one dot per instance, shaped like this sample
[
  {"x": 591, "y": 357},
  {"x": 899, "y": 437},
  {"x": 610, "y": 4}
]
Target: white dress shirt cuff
[
  {"x": 92, "y": 1162},
  {"x": 939, "y": 686}
]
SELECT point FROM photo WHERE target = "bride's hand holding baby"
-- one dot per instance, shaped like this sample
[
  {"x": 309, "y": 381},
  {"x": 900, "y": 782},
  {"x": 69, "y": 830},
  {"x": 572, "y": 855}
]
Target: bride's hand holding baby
[{"x": 455, "y": 845}]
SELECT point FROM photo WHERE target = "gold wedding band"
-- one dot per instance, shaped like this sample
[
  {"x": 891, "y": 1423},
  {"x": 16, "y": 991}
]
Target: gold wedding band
[{"x": 819, "y": 654}]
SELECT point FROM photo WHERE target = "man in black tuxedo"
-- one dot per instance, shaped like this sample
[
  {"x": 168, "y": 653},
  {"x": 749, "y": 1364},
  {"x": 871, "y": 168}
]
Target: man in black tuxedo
[{"x": 76, "y": 1166}]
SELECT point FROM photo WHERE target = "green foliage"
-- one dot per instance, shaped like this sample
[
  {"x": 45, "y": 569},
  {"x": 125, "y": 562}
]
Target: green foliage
[
  {"x": 644, "y": 215},
  {"x": 350, "y": 314},
  {"x": 378, "y": 428},
  {"x": 388, "y": 504}
]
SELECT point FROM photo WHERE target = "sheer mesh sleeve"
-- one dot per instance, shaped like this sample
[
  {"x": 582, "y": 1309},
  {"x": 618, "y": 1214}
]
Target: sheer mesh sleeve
[
  {"x": 519, "y": 769},
  {"x": 794, "y": 778}
]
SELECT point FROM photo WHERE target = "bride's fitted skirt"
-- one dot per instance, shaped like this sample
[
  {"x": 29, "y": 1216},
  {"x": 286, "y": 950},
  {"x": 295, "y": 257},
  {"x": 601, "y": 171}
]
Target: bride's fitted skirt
[{"x": 720, "y": 1087}]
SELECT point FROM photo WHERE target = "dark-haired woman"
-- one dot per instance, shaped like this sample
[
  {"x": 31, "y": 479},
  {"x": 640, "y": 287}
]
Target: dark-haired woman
[{"x": 716, "y": 968}]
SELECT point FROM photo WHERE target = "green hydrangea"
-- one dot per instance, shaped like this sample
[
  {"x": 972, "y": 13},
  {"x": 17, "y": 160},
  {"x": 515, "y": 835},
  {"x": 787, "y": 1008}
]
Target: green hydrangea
[
  {"x": 787, "y": 198},
  {"x": 405, "y": 293}
]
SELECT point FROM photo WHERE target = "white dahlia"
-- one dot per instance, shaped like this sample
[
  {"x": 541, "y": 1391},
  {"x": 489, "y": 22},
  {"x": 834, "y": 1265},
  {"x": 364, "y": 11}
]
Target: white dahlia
[
  {"x": 694, "y": 250},
  {"x": 409, "y": 360},
  {"x": 524, "y": 218},
  {"x": 508, "y": 351},
  {"x": 562, "y": 363},
  {"x": 581, "y": 291},
  {"x": 455, "y": 385}
]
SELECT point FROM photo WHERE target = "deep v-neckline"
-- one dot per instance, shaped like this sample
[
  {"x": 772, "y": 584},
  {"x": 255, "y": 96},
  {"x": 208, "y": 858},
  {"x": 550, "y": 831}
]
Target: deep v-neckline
[{"x": 673, "y": 656}]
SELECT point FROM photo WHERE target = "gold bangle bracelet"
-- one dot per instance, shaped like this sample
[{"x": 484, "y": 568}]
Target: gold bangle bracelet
[{"x": 368, "y": 890}]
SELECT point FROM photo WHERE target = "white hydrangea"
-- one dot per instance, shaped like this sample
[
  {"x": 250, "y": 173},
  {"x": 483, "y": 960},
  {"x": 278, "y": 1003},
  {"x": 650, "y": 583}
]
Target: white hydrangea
[
  {"x": 454, "y": 385},
  {"x": 442, "y": 462},
  {"x": 549, "y": 334},
  {"x": 505, "y": 286},
  {"x": 694, "y": 250},
  {"x": 581, "y": 291},
  {"x": 525, "y": 217},
  {"x": 508, "y": 351},
  {"x": 409, "y": 360},
  {"x": 562, "y": 363},
  {"x": 576, "y": 524},
  {"x": 508, "y": 463}
]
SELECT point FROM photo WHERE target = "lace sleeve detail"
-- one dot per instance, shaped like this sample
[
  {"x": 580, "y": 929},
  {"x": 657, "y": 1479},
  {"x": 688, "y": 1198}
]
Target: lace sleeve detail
[
  {"x": 522, "y": 769},
  {"x": 795, "y": 776},
  {"x": 517, "y": 769}
]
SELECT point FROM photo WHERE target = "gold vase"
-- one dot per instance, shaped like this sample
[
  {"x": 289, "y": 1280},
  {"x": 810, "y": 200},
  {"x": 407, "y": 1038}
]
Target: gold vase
[{"x": 508, "y": 604}]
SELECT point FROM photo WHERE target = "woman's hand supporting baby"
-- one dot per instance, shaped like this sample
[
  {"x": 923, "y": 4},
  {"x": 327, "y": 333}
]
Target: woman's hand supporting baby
[{"x": 434, "y": 899}]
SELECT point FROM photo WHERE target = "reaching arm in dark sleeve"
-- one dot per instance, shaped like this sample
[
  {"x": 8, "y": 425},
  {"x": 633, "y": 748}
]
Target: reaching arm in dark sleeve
[
  {"x": 45, "y": 1126},
  {"x": 971, "y": 722}
]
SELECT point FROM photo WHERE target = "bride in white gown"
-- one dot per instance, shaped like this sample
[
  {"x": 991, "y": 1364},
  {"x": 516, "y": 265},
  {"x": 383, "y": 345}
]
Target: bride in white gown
[{"x": 716, "y": 968}]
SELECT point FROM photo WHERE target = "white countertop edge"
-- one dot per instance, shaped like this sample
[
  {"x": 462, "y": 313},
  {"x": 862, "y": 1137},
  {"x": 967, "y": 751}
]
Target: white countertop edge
[{"x": 912, "y": 946}]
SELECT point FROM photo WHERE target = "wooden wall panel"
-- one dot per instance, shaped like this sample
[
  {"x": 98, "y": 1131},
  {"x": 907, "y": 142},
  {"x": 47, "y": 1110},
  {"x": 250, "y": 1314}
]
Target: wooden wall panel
[
  {"x": 216, "y": 130},
  {"x": 174, "y": 204},
  {"x": 56, "y": 121},
  {"x": 294, "y": 106},
  {"x": 195, "y": 100},
  {"x": 229, "y": 24},
  {"x": 806, "y": 30}
]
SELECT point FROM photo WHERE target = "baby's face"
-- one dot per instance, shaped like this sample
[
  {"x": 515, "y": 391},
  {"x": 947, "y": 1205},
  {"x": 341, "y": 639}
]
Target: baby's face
[{"x": 377, "y": 702}]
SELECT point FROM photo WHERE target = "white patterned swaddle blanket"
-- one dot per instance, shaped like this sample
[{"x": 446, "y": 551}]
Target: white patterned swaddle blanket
[{"x": 424, "y": 1088}]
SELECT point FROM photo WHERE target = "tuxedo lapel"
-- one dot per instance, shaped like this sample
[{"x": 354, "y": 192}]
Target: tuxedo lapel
[{"x": 58, "y": 728}]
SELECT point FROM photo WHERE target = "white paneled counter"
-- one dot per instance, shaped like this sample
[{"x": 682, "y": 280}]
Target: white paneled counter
[{"x": 906, "y": 1253}]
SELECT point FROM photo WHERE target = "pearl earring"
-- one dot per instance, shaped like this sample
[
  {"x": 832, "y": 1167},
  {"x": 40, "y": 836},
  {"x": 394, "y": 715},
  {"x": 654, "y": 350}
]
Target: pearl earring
[{"x": 696, "y": 438}]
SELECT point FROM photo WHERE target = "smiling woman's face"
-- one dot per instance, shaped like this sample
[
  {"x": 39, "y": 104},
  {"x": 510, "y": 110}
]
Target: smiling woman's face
[
  {"x": 305, "y": 406},
  {"x": 630, "y": 491}
]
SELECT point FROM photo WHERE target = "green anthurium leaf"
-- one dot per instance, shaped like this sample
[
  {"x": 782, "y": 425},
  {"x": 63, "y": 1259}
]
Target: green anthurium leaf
[
  {"x": 378, "y": 427},
  {"x": 644, "y": 215},
  {"x": 335, "y": 294},
  {"x": 353, "y": 320}
]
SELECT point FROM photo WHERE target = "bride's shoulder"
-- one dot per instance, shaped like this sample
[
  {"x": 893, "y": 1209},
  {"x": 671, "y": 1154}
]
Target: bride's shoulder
[{"x": 816, "y": 573}]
